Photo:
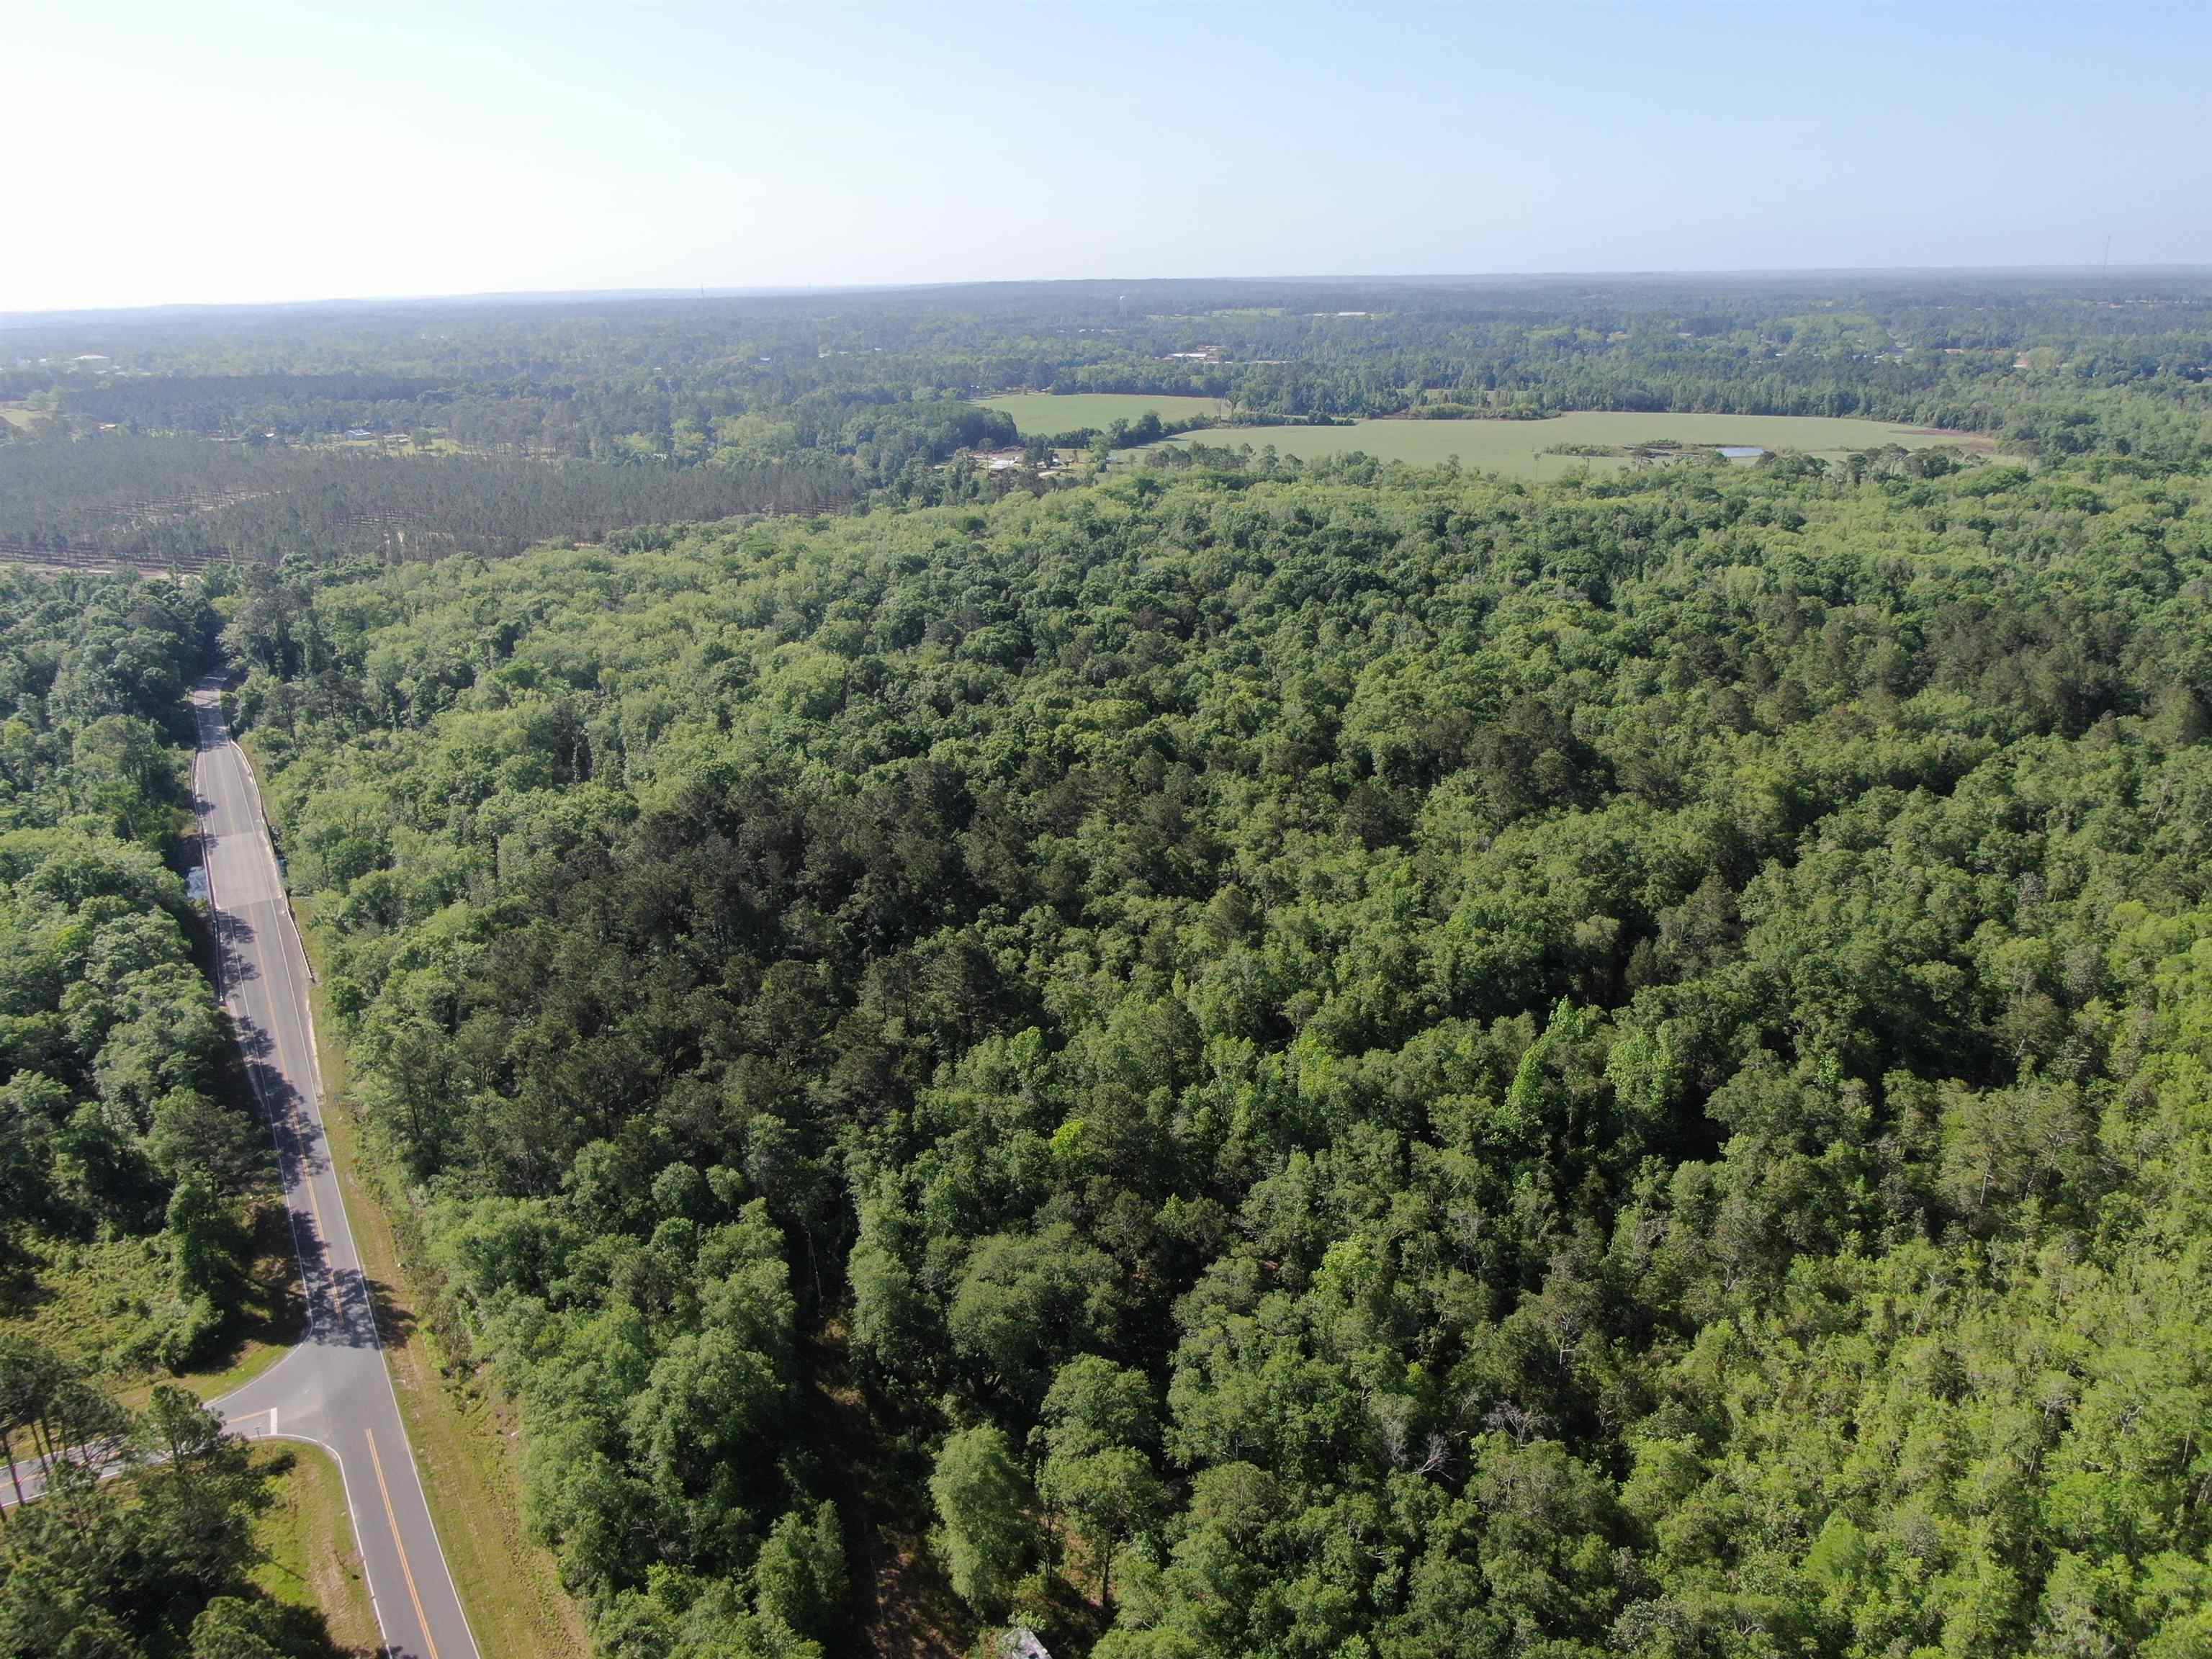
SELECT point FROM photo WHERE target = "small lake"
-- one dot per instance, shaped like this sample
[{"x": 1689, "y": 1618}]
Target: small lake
[{"x": 1741, "y": 452}]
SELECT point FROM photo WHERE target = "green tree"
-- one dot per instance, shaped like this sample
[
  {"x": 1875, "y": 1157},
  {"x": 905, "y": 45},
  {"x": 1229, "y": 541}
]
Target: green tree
[
  {"x": 192, "y": 1135},
  {"x": 799, "y": 1580},
  {"x": 985, "y": 1532},
  {"x": 1100, "y": 1423}
]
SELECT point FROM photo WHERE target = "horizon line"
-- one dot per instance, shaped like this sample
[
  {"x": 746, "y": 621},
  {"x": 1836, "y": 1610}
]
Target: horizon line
[{"x": 151, "y": 310}]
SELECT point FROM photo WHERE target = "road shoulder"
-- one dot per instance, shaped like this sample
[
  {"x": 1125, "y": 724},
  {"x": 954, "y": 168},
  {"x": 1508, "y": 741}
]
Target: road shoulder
[
  {"x": 314, "y": 1559},
  {"x": 466, "y": 1439}
]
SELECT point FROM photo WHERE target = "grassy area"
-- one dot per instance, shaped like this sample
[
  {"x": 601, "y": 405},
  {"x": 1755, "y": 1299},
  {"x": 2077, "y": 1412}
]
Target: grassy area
[
  {"x": 16, "y": 415},
  {"x": 93, "y": 1304},
  {"x": 1516, "y": 447},
  {"x": 467, "y": 1440},
  {"x": 1043, "y": 413},
  {"x": 312, "y": 1559}
]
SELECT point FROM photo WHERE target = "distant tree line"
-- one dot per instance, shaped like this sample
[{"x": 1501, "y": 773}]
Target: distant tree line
[
  {"x": 154, "y": 499},
  {"x": 808, "y": 403}
]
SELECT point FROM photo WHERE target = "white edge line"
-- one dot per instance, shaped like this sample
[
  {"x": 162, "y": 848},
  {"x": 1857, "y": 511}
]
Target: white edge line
[
  {"x": 223, "y": 994},
  {"x": 345, "y": 1220},
  {"x": 353, "y": 1517},
  {"x": 306, "y": 1290}
]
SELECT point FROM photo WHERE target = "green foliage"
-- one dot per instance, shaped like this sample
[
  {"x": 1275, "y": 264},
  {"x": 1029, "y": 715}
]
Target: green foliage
[
  {"x": 1368, "y": 1061},
  {"x": 799, "y": 1580},
  {"x": 1100, "y": 1428},
  {"x": 111, "y": 1051},
  {"x": 153, "y": 1562},
  {"x": 982, "y": 1500},
  {"x": 387, "y": 433}
]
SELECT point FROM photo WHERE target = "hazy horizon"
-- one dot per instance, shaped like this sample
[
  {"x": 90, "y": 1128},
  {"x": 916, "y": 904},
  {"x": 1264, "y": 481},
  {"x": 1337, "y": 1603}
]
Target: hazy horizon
[
  {"x": 154, "y": 309},
  {"x": 241, "y": 153}
]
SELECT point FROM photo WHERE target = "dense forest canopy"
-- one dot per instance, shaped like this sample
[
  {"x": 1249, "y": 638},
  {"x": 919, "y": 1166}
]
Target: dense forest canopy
[
  {"x": 118, "y": 1116},
  {"x": 1222, "y": 1057},
  {"x": 1348, "y": 1061}
]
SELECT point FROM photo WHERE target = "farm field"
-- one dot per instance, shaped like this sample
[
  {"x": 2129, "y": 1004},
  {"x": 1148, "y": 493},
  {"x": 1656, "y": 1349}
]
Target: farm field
[
  {"x": 1516, "y": 447},
  {"x": 1046, "y": 412}
]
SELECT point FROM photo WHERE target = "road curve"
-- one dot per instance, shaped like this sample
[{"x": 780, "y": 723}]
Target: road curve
[{"x": 333, "y": 1390}]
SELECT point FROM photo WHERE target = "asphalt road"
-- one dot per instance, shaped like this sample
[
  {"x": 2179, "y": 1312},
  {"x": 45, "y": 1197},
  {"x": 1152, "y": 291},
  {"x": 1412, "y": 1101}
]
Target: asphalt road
[{"x": 333, "y": 1390}]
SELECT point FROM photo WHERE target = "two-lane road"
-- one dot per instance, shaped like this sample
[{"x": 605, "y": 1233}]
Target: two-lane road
[{"x": 333, "y": 1389}]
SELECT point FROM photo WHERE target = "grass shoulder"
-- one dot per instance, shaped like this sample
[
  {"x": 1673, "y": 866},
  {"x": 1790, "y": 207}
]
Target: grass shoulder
[
  {"x": 465, "y": 1437},
  {"x": 311, "y": 1557}
]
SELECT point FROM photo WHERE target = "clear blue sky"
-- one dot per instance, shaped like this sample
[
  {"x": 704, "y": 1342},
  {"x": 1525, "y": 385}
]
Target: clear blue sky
[{"x": 217, "y": 151}]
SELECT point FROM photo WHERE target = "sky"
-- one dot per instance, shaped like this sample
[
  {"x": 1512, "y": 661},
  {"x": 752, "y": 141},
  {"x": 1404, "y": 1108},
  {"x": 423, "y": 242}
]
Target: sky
[{"x": 221, "y": 152}]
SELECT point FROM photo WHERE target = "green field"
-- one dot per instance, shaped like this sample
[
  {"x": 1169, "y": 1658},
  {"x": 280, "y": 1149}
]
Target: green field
[
  {"x": 1517, "y": 448},
  {"x": 1044, "y": 413}
]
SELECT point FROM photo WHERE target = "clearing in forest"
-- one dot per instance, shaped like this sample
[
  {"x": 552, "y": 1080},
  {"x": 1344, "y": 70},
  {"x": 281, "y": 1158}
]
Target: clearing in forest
[{"x": 1531, "y": 449}]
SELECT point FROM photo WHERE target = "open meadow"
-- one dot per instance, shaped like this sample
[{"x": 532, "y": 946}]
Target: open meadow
[
  {"x": 1520, "y": 448},
  {"x": 310, "y": 1557}
]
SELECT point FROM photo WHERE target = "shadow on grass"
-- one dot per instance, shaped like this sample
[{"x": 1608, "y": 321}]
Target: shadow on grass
[
  {"x": 270, "y": 1310},
  {"x": 303, "y": 1625}
]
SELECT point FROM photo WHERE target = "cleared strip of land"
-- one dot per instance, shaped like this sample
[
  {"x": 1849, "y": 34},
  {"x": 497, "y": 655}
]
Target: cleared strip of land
[{"x": 1527, "y": 448}]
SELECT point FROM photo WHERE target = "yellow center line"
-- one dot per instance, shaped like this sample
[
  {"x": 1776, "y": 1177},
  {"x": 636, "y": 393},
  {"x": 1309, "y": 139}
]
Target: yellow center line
[
  {"x": 405, "y": 1571},
  {"x": 322, "y": 1238},
  {"x": 208, "y": 841}
]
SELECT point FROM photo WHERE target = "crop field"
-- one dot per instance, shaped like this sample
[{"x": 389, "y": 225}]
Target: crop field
[
  {"x": 1517, "y": 448},
  {"x": 1046, "y": 413}
]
